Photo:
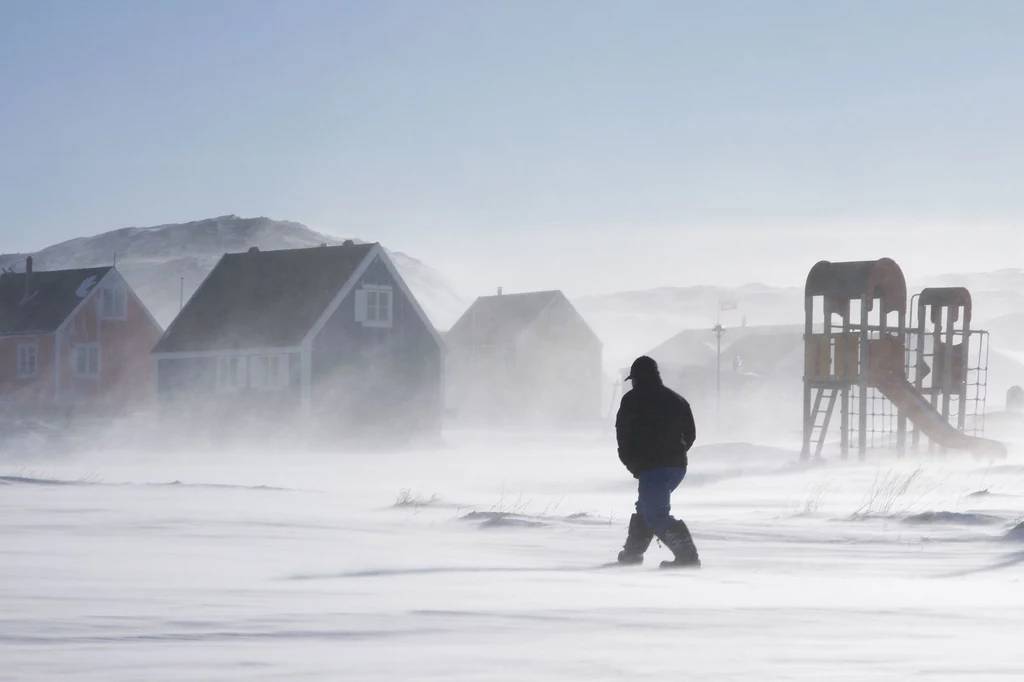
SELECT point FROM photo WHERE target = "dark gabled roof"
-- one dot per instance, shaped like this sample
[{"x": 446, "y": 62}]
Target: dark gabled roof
[
  {"x": 695, "y": 347},
  {"x": 262, "y": 299},
  {"x": 496, "y": 320},
  {"x": 54, "y": 296},
  {"x": 767, "y": 354}
]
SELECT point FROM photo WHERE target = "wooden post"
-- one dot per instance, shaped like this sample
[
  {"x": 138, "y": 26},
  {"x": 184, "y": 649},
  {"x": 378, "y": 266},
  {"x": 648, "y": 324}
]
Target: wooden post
[
  {"x": 901, "y": 417},
  {"x": 862, "y": 445},
  {"x": 805, "y": 450}
]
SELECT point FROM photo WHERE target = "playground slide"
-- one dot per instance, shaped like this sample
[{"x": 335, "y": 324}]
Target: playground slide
[{"x": 930, "y": 421}]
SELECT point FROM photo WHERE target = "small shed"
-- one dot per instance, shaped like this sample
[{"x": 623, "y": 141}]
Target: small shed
[{"x": 525, "y": 359}]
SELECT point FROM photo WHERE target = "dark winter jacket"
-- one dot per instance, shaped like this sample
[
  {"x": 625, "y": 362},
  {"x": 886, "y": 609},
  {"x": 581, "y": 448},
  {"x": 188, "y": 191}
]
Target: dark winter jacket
[{"x": 654, "y": 427}]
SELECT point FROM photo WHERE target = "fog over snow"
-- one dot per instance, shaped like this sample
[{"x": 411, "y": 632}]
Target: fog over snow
[
  {"x": 488, "y": 559},
  {"x": 490, "y": 555},
  {"x": 651, "y": 160}
]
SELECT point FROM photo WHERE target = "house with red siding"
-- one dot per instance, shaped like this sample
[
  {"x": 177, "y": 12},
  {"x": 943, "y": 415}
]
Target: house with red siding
[{"x": 74, "y": 343}]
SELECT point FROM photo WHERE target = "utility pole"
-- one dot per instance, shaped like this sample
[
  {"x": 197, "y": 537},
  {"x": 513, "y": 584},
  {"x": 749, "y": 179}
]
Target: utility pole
[{"x": 718, "y": 330}]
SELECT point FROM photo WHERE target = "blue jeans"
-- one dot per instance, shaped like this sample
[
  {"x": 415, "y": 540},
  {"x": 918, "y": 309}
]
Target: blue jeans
[{"x": 654, "y": 503}]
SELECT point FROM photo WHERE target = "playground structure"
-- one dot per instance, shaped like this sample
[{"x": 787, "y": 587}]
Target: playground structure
[{"x": 890, "y": 380}]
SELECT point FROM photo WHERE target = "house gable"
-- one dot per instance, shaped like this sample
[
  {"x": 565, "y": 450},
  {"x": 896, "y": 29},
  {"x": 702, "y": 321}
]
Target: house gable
[
  {"x": 383, "y": 273},
  {"x": 350, "y": 358},
  {"x": 499, "y": 320},
  {"x": 102, "y": 349},
  {"x": 560, "y": 321},
  {"x": 113, "y": 281}
]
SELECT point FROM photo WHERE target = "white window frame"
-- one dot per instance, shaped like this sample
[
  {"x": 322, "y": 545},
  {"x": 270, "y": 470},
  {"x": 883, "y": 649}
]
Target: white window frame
[
  {"x": 368, "y": 305},
  {"x": 114, "y": 296},
  {"x": 26, "y": 351},
  {"x": 268, "y": 372},
  {"x": 236, "y": 365},
  {"x": 88, "y": 348}
]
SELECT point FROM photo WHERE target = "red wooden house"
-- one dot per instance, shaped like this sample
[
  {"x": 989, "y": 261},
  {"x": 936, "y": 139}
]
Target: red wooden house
[{"x": 74, "y": 342}]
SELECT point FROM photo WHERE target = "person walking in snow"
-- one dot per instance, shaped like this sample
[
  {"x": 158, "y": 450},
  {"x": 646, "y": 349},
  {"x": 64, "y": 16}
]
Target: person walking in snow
[{"x": 654, "y": 428}]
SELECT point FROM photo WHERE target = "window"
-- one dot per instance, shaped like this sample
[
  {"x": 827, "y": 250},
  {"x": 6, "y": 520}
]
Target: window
[
  {"x": 28, "y": 361},
  {"x": 231, "y": 373},
  {"x": 257, "y": 372},
  {"x": 114, "y": 303},
  {"x": 374, "y": 306},
  {"x": 87, "y": 360},
  {"x": 378, "y": 306},
  {"x": 268, "y": 372}
]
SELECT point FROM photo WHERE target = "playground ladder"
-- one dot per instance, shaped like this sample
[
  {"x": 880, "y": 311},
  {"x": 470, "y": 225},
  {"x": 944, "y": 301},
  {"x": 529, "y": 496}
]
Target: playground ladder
[{"x": 826, "y": 416}]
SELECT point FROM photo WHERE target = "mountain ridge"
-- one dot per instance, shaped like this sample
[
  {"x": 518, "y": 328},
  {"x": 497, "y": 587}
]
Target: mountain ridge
[{"x": 166, "y": 263}]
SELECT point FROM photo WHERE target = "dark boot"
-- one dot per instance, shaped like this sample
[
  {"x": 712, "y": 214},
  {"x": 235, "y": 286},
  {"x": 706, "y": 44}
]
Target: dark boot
[
  {"x": 638, "y": 539},
  {"x": 677, "y": 538}
]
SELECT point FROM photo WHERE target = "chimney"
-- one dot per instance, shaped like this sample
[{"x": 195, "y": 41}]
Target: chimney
[
  {"x": 254, "y": 249},
  {"x": 28, "y": 277},
  {"x": 348, "y": 242},
  {"x": 499, "y": 291}
]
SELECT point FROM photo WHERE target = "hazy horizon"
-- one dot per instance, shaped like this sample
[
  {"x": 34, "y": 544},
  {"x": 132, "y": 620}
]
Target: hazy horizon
[
  {"x": 903, "y": 247},
  {"x": 592, "y": 148}
]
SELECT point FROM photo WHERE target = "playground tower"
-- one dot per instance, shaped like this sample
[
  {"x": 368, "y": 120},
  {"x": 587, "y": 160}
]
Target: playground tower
[
  {"x": 947, "y": 360},
  {"x": 847, "y": 306},
  {"x": 861, "y": 356}
]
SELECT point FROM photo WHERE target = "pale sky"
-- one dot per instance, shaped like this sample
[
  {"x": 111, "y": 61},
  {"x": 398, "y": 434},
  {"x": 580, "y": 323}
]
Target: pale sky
[{"x": 587, "y": 146}]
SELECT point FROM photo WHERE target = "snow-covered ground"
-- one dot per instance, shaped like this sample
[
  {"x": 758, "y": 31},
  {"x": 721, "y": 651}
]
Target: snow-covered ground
[{"x": 243, "y": 566}]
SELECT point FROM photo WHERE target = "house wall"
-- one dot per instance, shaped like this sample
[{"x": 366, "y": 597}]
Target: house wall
[
  {"x": 26, "y": 393},
  {"x": 367, "y": 379},
  {"x": 481, "y": 383},
  {"x": 125, "y": 381},
  {"x": 183, "y": 378},
  {"x": 186, "y": 387},
  {"x": 560, "y": 367}
]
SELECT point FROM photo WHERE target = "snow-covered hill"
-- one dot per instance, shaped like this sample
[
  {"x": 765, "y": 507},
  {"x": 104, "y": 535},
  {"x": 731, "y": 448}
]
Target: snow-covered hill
[{"x": 155, "y": 260}]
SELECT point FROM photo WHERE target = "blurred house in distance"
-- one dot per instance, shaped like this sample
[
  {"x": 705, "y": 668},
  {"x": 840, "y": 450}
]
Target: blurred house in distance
[
  {"x": 761, "y": 375},
  {"x": 523, "y": 360}
]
